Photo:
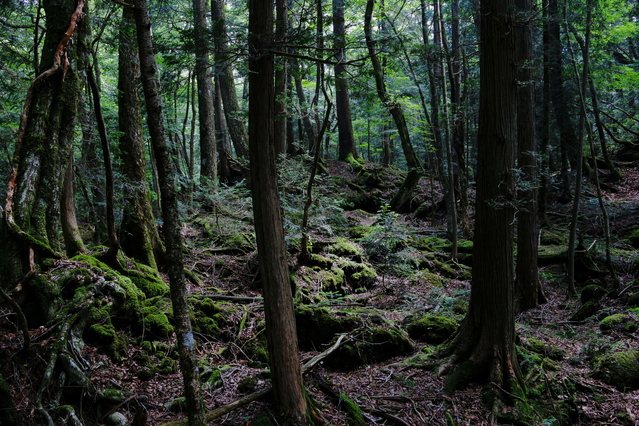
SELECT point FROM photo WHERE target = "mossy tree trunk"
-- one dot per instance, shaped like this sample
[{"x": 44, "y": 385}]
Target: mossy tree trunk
[
  {"x": 484, "y": 348},
  {"x": 281, "y": 335},
  {"x": 45, "y": 140},
  {"x": 139, "y": 236},
  {"x": 173, "y": 238}
]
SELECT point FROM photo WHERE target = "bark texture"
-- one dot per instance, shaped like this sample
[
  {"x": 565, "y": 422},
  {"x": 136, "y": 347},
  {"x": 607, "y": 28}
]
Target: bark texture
[
  {"x": 139, "y": 236},
  {"x": 173, "y": 238},
  {"x": 281, "y": 332},
  {"x": 484, "y": 347}
]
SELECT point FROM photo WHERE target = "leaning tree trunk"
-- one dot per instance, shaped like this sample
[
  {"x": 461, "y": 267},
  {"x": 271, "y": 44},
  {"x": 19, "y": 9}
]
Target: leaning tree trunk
[
  {"x": 45, "y": 140},
  {"x": 484, "y": 347},
  {"x": 139, "y": 236},
  {"x": 172, "y": 226},
  {"x": 395, "y": 108},
  {"x": 281, "y": 335}
]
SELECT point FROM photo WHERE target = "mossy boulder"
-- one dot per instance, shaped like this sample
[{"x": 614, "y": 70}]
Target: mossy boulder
[
  {"x": 592, "y": 292},
  {"x": 586, "y": 310},
  {"x": 345, "y": 248},
  {"x": 432, "y": 329},
  {"x": 150, "y": 284},
  {"x": 371, "y": 346},
  {"x": 619, "y": 322},
  {"x": 331, "y": 280},
  {"x": 619, "y": 369},
  {"x": 247, "y": 384},
  {"x": 156, "y": 322},
  {"x": 318, "y": 326},
  {"x": 106, "y": 338},
  {"x": 358, "y": 274}
]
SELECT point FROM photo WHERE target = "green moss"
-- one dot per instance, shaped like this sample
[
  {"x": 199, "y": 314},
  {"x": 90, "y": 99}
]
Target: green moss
[
  {"x": 352, "y": 410},
  {"x": 247, "y": 384},
  {"x": 332, "y": 280},
  {"x": 317, "y": 326},
  {"x": 463, "y": 374},
  {"x": 345, "y": 248},
  {"x": 620, "y": 369},
  {"x": 206, "y": 325},
  {"x": 105, "y": 337},
  {"x": 156, "y": 322},
  {"x": 620, "y": 322},
  {"x": 319, "y": 261},
  {"x": 150, "y": 284},
  {"x": 634, "y": 238},
  {"x": 432, "y": 329}
]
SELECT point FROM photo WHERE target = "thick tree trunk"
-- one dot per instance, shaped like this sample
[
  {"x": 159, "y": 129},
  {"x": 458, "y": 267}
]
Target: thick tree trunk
[
  {"x": 281, "y": 333},
  {"x": 528, "y": 294},
  {"x": 172, "y": 226},
  {"x": 208, "y": 152},
  {"x": 281, "y": 71},
  {"x": 73, "y": 243},
  {"x": 45, "y": 137},
  {"x": 485, "y": 344},
  {"x": 224, "y": 72},
  {"x": 139, "y": 236},
  {"x": 346, "y": 141}
]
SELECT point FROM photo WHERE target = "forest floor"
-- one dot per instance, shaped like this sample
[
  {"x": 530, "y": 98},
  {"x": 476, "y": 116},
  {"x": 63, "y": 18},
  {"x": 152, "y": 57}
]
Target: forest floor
[{"x": 401, "y": 390}]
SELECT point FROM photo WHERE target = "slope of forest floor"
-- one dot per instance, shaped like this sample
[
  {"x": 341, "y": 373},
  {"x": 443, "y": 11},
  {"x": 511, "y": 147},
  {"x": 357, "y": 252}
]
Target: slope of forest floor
[{"x": 370, "y": 269}]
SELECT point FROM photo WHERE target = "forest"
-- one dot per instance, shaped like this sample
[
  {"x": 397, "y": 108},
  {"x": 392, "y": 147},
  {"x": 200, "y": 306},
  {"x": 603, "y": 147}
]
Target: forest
[{"x": 319, "y": 212}]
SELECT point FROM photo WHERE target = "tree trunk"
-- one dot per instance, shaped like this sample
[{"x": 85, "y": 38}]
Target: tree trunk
[
  {"x": 73, "y": 243},
  {"x": 139, "y": 236},
  {"x": 346, "y": 141},
  {"x": 281, "y": 34},
  {"x": 172, "y": 226},
  {"x": 224, "y": 72},
  {"x": 45, "y": 138},
  {"x": 281, "y": 332},
  {"x": 208, "y": 152},
  {"x": 485, "y": 343},
  {"x": 528, "y": 292},
  {"x": 307, "y": 125}
]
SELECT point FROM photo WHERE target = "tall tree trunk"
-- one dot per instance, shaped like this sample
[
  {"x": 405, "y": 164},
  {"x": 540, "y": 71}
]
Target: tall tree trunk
[
  {"x": 139, "y": 236},
  {"x": 44, "y": 143},
  {"x": 545, "y": 119},
  {"x": 208, "y": 152},
  {"x": 73, "y": 243},
  {"x": 222, "y": 136},
  {"x": 560, "y": 100},
  {"x": 224, "y": 72},
  {"x": 307, "y": 125},
  {"x": 484, "y": 347},
  {"x": 281, "y": 34},
  {"x": 528, "y": 292},
  {"x": 172, "y": 226},
  {"x": 346, "y": 141},
  {"x": 281, "y": 335},
  {"x": 415, "y": 169}
]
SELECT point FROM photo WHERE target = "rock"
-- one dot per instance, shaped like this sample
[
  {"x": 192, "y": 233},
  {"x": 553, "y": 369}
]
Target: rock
[
  {"x": 586, "y": 310},
  {"x": 432, "y": 329},
  {"x": 620, "y": 369},
  {"x": 592, "y": 292},
  {"x": 116, "y": 419},
  {"x": 318, "y": 326},
  {"x": 619, "y": 322}
]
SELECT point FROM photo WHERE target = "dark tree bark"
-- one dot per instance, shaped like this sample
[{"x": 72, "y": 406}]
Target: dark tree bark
[
  {"x": 139, "y": 236},
  {"x": 208, "y": 152},
  {"x": 528, "y": 293},
  {"x": 44, "y": 144},
  {"x": 561, "y": 100},
  {"x": 281, "y": 333},
  {"x": 484, "y": 347},
  {"x": 224, "y": 72},
  {"x": 172, "y": 236},
  {"x": 307, "y": 125},
  {"x": 346, "y": 141},
  {"x": 73, "y": 243},
  {"x": 281, "y": 112}
]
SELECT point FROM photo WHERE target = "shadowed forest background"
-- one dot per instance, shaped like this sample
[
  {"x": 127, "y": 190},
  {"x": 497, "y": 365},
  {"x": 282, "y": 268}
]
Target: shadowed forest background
[{"x": 339, "y": 212}]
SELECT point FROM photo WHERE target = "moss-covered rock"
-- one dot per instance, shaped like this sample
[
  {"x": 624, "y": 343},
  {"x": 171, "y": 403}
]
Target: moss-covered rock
[
  {"x": 619, "y": 322},
  {"x": 318, "y": 326},
  {"x": 592, "y": 292},
  {"x": 345, "y": 248},
  {"x": 247, "y": 384},
  {"x": 150, "y": 284},
  {"x": 332, "y": 280},
  {"x": 619, "y": 369},
  {"x": 432, "y": 329},
  {"x": 358, "y": 274},
  {"x": 156, "y": 322},
  {"x": 586, "y": 310},
  {"x": 105, "y": 337},
  {"x": 372, "y": 346}
]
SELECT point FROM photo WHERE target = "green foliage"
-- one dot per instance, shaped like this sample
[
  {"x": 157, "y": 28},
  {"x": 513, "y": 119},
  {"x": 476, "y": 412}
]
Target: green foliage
[{"x": 386, "y": 240}]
